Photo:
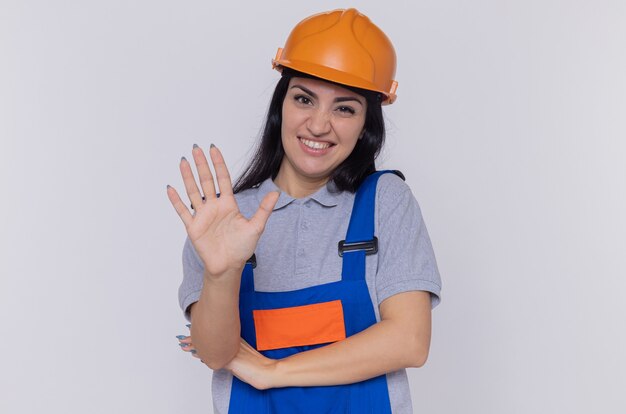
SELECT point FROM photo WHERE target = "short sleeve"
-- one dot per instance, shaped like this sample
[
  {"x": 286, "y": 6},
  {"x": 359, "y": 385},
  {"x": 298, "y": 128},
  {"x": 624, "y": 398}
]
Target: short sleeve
[
  {"x": 406, "y": 260},
  {"x": 191, "y": 286}
]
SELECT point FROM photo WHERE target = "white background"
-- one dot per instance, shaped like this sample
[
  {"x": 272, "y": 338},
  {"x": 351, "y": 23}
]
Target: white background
[{"x": 509, "y": 125}]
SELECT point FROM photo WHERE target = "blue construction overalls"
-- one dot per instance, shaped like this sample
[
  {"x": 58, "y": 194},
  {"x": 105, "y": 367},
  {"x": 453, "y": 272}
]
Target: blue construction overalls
[{"x": 348, "y": 310}]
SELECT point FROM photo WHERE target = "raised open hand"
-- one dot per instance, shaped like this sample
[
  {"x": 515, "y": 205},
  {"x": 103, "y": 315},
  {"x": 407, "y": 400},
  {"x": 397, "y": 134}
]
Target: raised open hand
[{"x": 223, "y": 238}]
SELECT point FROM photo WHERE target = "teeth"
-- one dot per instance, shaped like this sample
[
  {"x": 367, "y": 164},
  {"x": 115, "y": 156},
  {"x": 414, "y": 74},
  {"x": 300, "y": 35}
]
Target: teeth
[{"x": 314, "y": 144}]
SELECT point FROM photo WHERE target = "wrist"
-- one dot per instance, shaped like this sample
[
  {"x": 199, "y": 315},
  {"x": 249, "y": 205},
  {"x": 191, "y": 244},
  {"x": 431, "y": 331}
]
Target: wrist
[
  {"x": 229, "y": 274},
  {"x": 279, "y": 377}
]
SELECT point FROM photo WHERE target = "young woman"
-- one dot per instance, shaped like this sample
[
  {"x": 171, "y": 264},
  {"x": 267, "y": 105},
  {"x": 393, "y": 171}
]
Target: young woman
[{"x": 310, "y": 283}]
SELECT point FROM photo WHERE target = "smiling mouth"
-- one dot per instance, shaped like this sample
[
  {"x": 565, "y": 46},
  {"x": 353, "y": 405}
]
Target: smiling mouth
[{"x": 316, "y": 145}]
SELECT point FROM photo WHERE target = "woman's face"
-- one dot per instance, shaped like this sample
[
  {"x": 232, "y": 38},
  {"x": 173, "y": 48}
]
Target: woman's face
[{"x": 321, "y": 125}]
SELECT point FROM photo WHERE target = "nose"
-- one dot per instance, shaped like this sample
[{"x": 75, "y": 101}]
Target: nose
[{"x": 319, "y": 123}]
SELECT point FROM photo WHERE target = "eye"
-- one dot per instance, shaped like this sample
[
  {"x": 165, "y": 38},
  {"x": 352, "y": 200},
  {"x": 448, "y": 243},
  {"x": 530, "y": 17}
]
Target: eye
[
  {"x": 347, "y": 110},
  {"x": 302, "y": 99}
]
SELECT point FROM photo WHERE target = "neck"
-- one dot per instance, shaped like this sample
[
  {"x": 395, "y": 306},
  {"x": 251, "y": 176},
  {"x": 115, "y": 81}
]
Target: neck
[{"x": 298, "y": 186}]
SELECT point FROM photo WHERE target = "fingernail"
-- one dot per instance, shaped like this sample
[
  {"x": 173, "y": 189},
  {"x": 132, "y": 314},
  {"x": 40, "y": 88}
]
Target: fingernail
[
  {"x": 181, "y": 337},
  {"x": 188, "y": 325},
  {"x": 195, "y": 145},
  {"x": 183, "y": 158},
  {"x": 182, "y": 345},
  {"x": 193, "y": 351},
  {"x": 168, "y": 186},
  {"x": 212, "y": 145}
]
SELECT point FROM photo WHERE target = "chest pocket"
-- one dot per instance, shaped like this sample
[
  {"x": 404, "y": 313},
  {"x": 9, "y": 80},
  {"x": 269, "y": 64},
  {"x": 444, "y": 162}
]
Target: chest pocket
[{"x": 313, "y": 324}]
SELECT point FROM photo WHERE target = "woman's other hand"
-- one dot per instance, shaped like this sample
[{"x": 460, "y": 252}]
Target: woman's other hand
[
  {"x": 223, "y": 238},
  {"x": 186, "y": 345},
  {"x": 253, "y": 368},
  {"x": 248, "y": 365}
]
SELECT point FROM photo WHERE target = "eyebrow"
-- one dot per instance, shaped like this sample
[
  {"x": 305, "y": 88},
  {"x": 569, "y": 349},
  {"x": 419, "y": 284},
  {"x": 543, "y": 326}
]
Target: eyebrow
[{"x": 339, "y": 99}]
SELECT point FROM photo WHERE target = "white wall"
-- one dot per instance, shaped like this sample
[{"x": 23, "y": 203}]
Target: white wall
[{"x": 509, "y": 126}]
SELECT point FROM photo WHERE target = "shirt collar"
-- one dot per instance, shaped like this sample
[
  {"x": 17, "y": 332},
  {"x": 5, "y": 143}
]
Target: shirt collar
[{"x": 328, "y": 195}]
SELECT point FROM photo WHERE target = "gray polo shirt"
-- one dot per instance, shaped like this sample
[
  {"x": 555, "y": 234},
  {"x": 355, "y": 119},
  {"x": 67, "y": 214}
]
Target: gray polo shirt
[{"x": 298, "y": 249}]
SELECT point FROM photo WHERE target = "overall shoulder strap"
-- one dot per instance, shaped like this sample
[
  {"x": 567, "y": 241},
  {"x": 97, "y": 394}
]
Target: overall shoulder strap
[{"x": 360, "y": 239}]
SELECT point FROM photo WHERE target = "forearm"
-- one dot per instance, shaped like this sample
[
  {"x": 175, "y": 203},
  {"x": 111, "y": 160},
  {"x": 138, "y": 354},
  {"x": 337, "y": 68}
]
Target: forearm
[
  {"x": 384, "y": 347},
  {"x": 215, "y": 326}
]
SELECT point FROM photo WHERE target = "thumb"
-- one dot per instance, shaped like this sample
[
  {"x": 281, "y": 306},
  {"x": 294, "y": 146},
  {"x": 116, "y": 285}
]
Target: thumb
[{"x": 265, "y": 209}]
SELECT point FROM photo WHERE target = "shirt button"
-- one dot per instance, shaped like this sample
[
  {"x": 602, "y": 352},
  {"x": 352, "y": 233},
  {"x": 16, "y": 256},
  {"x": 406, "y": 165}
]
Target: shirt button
[
  {"x": 304, "y": 225},
  {"x": 300, "y": 252},
  {"x": 308, "y": 205}
]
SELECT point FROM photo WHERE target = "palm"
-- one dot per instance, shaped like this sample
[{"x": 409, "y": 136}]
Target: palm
[
  {"x": 221, "y": 235},
  {"x": 223, "y": 238}
]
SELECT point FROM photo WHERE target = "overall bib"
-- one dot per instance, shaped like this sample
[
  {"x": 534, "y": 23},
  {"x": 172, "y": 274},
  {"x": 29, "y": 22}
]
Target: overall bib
[{"x": 280, "y": 324}]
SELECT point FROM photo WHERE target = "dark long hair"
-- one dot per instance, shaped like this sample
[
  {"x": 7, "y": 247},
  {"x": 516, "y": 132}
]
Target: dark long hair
[{"x": 348, "y": 175}]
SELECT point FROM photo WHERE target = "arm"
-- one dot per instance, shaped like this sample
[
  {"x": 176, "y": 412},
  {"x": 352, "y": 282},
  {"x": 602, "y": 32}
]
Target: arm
[
  {"x": 215, "y": 325},
  {"x": 223, "y": 239},
  {"x": 400, "y": 340}
]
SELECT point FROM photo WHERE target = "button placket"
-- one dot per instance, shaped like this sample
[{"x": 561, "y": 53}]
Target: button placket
[{"x": 302, "y": 260}]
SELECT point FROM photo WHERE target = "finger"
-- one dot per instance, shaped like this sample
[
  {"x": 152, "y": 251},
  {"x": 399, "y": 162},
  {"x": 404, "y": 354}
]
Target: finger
[
  {"x": 179, "y": 206},
  {"x": 204, "y": 173},
  {"x": 223, "y": 176},
  {"x": 190, "y": 184},
  {"x": 265, "y": 210},
  {"x": 187, "y": 347},
  {"x": 184, "y": 339}
]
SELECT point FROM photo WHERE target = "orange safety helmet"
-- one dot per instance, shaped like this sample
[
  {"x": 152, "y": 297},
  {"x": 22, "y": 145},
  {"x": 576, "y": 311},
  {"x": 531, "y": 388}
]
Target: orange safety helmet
[{"x": 342, "y": 46}]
